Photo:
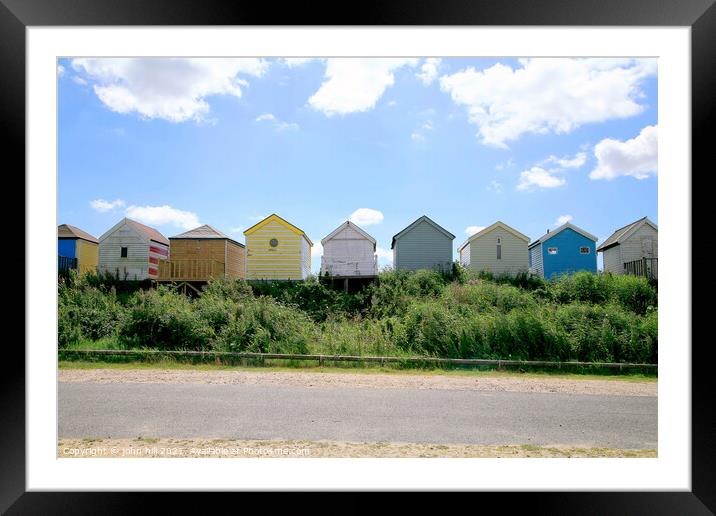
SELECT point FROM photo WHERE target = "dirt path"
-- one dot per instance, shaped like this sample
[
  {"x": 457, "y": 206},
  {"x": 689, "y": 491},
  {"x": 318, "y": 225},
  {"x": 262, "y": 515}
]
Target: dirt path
[
  {"x": 215, "y": 448},
  {"x": 368, "y": 381}
]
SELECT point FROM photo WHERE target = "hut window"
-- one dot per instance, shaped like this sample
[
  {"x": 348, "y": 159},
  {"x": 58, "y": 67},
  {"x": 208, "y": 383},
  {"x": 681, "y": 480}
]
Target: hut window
[
  {"x": 273, "y": 242},
  {"x": 552, "y": 250},
  {"x": 499, "y": 248},
  {"x": 123, "y": 252},
  {"x": 584, "y": 250}
]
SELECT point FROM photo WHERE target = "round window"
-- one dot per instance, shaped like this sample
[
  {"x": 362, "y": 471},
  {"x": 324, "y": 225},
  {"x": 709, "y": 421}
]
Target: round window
[{"x": 273, "y": 242}]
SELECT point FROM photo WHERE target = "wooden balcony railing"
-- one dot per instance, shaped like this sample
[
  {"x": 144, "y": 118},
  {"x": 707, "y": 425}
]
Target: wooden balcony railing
[
  {"x": 345, "y": 268},
  {"x": 647, "y": 267},
  {"x": 190, "y": 270},
  {"x": 64, "y": 264}
]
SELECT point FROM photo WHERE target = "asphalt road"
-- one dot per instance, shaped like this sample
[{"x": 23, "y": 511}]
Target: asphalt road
[{"x": 181, "y": 411}]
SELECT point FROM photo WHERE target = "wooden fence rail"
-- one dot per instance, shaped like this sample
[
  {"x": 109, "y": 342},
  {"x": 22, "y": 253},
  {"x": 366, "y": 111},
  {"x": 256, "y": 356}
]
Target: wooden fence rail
[
  {"x": 352, "y": 358},
  {"x": 65, "y": 263},
  {"x": 647, "y": 267}
]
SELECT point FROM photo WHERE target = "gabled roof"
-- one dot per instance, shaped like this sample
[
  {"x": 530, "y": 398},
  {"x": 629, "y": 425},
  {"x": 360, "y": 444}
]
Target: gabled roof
[
  {"x": 150, "y": 233},
  {"x": 622, "y": 234},
  {"x": 205, "y": 232},
  {"x": 498, "y": 224},
  {"x": 424, "y": 218},
  {"x": 564, "y": 226},
  {"x": 67, "y": 231},
  {"x": 284, "y": 222},
  {"x": 349, "y": 224}
]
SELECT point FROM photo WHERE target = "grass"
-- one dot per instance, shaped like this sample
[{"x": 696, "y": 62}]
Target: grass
[{"x": 491, "y": 373}]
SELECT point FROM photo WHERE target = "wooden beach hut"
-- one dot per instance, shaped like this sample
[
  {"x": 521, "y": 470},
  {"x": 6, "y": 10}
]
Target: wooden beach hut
[
  {"x": 277, "y": 250},
  {"x": 632, "y": 249},
  {"x": 132, "y": 251},
  {"x": 76, "y": 249},
  {"x": 564, "y": 250},
  {"x": 200, "y": 255},
  {"x": 349, "y": 255},
  {"x": 423, "y": 245},
  {"x": 498, "y": 249}
]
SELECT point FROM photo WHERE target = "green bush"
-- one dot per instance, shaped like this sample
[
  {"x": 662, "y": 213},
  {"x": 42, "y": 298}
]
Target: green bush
[
  {"x": 633, "y": 293},
  {"x": 314, "y": 298},
  {"x": 164, "y": 319},
  {"x": 397, "y": 288},
  {"x": 264, "y": 326},
  {"x": 235, "y": 290},
  {"x": 586, "y": 317},
  {"x": 85, "y": 311}
]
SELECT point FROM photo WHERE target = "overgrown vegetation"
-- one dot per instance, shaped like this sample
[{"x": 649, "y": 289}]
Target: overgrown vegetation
[{"x": 584, "y": 316}]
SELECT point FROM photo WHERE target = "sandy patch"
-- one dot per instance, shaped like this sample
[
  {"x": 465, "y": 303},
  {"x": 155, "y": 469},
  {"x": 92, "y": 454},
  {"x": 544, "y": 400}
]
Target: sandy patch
[
  {"x": 215, "y": 448},
  {"x": 364, "y": 381}
]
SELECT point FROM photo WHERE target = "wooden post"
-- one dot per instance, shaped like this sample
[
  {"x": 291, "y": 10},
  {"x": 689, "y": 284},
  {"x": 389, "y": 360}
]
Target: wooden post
[{"x": 643, "y": 264}]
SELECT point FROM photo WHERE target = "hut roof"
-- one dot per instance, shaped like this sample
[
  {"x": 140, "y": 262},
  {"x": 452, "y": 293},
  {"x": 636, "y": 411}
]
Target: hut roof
[
  {"x": 621, "y": 234},
  {"x": 564, "y": 226},
  {"x": 280, "y": 220},
  {"x": 205, "y": 232},
  {"x": 67, "y": 231},
  {"x": 424, "y": 218},
  {"x": 152, "y": 233},
  {"x": 498, "y": 224},
  {"x": 349, "y": 224}
]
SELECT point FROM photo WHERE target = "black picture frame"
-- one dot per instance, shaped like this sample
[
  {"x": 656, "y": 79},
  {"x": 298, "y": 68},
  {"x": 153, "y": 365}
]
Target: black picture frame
[{"x": 699, "y": 15}]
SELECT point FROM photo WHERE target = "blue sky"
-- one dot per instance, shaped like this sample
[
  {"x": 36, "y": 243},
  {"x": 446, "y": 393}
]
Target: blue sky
[{"x": 175, "y": 143}]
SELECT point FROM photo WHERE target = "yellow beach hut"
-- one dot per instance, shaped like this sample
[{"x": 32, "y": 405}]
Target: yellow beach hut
[
  {"x": 76, "y": 249},
  {"x": 277, "y": 250}
]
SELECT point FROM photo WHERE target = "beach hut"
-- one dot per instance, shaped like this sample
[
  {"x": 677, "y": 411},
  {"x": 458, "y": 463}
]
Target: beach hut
[
  {"x": 498, "y": 249},
  {"x": 202, "y": 254},
  {"x": 277, "y": 250},
  {"x": 423, "y": 245},
  {"x": 349, "y": 255},
  {"x": 132, "y": 251},
  {"x": 76, "y": 249},
  {"x": 632, "y": 249},
  {"x": 563, "y": 250}
]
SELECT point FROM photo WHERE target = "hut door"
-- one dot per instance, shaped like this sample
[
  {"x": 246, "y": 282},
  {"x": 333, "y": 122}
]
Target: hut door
[{"x": 647, "y": 247}]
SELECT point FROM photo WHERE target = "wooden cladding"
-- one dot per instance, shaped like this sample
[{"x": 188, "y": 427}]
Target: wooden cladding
[{"x": 190, "y": 270}]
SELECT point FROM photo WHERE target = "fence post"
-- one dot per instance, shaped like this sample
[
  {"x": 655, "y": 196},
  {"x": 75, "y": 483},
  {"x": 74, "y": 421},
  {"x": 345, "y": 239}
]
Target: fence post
[{"x": 643, "y": 264}]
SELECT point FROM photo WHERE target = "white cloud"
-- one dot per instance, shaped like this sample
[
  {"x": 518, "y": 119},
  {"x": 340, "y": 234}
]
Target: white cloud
[
  {"x": 79, "y": 80},
  {"x": 237, "y": 229},
  {"x": 637, "y": 157},
  {"x": 562, "y": 219},
  {"x": 354, "y": 85},
  {"x": 392, "y": 103},
  {"x": 366, "y": 217},
  {"x": 257, "y": 218},
  {"x": 173, "y": 89},
  {"x": 292, "y": 62},
  {"x": 547, "y": 95},
  {"x": 471, "y": 230},
  {"x": 417, "y": 137},
  {"x": 577, "y": 161},
  {"x": 543, "y": 176},
  {"x": 163, "y": 215},
  {"x": 495, "y": 186},
  {"x": 60, "y": 70},
  {"x": 429, "y": 70},
  {"x": 278, "y": 124},
  {"x": 103, "y": 206},
  {"x": 317, "y": 249},
  {"x": 428, "y": 125},
  {"x": 384, "y": 254},
  {"x": 537, "y": 176},
  {"x": 504, "y": 165}
]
